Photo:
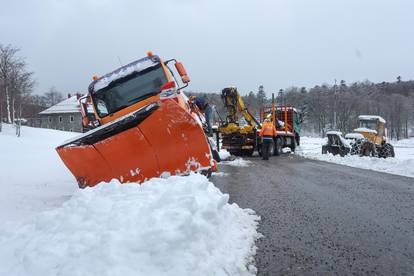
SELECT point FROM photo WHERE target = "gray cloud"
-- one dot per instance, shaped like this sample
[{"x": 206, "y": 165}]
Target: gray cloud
[{"x": 235, "y": 42}]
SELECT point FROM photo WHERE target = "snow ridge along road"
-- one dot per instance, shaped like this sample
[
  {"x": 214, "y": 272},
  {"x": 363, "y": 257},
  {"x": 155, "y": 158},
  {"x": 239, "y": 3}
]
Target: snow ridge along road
[
  {"x": 174, "y": 226},
  {"x": 401, "y": 164}
]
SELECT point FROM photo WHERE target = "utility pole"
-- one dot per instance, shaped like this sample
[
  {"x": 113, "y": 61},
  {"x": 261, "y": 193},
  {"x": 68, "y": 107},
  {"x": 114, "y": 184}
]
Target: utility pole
[{"x": 281, "y": 96}]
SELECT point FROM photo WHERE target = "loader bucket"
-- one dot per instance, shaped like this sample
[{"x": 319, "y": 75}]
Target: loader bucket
[
  {"x": 336, "y": 145},
  {"x": 159, "y": 139}
]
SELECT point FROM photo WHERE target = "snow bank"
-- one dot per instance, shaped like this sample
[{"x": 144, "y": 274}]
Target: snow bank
[
  {"x": 286, "y": 150},
  {"x": 174, "y": 226},
  {"x": 32, "y": 178},
  {"x": 224, "y": 154},
  {"x": 238, "y": 162},
  {"x": 402, "y": 164}
]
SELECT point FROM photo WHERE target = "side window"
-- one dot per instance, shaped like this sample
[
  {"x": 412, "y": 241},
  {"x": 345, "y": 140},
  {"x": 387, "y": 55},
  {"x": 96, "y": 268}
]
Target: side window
[
  {"x": 71, "y": 118},
  {"x": 60, "y": 119},
  {"x": 101, "y": 106}
]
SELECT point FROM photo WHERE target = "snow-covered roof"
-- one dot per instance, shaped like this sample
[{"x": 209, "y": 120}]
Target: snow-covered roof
[
  {"x": 371, "y": 117},
  {"x": 70, "y": 105}
]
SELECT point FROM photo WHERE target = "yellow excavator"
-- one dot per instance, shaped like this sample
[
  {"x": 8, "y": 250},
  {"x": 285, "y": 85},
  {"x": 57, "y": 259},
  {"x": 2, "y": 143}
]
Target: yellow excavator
[{"x": 238, "y": 139}]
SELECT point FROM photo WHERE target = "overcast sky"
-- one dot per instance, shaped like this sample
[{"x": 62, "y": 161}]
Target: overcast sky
[{"x": 277, "y": 43}]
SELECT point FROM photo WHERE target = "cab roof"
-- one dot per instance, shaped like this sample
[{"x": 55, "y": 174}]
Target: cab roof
[
  {"x": 135, "y": 66},
  {"x": 371, "y": 117}
]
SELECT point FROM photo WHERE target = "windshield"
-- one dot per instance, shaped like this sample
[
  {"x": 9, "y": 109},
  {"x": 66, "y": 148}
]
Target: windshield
[
  {"x": 128, "y": 90},
  {"x": 370, "y": 124}
]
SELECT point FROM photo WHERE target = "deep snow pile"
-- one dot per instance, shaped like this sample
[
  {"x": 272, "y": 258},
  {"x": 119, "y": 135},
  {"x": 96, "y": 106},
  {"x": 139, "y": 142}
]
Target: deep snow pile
[
  {"x": 224, "y": 154},
  {"x": 402, "y": 164},
  {"x": 32, "y": 178},
  {"x": 175, "y": 226}
]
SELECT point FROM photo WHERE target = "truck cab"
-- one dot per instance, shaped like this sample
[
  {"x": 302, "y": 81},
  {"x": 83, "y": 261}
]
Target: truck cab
[
  {"x": 130, "y": 88},
  {"x": 372, "y": 128}
]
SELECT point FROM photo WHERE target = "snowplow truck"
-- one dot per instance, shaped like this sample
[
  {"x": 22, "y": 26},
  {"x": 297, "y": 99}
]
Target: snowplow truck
[
  {"x": 142, "y": 126},
  {"x": 369, "y": 139},
  {"x": 287, "y": 120}
]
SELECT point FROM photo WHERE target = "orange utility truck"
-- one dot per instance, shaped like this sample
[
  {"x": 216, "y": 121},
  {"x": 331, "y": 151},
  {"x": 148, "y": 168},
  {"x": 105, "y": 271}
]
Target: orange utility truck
[{"x": 143, "y": 126}]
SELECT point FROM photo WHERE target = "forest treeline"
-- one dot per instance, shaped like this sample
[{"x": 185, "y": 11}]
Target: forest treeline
[
  {"x": 336, "y": 107},
  {"x": 325, "y": 107}
]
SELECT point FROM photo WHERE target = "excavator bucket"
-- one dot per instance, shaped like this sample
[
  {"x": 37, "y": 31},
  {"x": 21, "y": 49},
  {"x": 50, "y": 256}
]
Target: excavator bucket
[{"x": 160, "y": 139}]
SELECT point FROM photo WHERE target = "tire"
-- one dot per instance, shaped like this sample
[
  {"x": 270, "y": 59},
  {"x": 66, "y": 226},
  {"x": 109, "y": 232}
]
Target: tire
[
  {"x": 356, "y": 147},
  {"x": 324, "y": 149},
  {"x": 247, "y": 152},
  {"x": 387, "y": 150},
  {"x": 278, "y": 145}
]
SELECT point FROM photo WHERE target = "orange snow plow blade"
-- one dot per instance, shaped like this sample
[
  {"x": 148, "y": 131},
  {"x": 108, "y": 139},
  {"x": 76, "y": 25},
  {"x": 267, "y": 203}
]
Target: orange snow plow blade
[{"x": 160, "y": 139}]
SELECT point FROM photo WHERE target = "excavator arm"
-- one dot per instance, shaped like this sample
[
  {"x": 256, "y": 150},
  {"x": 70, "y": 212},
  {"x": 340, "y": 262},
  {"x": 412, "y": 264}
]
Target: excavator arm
[{"x": 234, "y": 103}]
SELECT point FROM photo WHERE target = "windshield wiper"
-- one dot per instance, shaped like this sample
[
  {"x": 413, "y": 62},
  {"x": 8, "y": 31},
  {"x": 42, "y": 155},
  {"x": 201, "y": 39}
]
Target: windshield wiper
[{"x": 142, "y": 97}]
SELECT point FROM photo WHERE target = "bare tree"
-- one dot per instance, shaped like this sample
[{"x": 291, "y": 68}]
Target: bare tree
[
  {"x": 16, "y": 83},
  {"x": 53, "y": 96}
]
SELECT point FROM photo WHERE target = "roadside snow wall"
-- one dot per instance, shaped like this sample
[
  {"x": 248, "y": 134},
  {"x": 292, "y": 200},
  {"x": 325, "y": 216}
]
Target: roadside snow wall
[{"x": 173, "y": 226}]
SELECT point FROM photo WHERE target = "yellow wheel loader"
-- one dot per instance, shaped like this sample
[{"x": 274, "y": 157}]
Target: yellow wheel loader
[{"x": 369, "y": 139}]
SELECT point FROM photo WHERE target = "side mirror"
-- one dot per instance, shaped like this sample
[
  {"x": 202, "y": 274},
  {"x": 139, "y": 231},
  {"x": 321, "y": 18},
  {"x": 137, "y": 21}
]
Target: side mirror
[
  {"x": 84, "y": 111},
  {"x": 181, "y": 70}
]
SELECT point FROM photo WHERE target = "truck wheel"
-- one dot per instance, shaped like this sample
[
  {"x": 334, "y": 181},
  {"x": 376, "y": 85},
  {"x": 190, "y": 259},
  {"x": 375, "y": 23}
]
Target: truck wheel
[
  {"x": 356, "y": 147},
  {"x": 247, "y": 152},
  {"x": 278, "y": 146}
]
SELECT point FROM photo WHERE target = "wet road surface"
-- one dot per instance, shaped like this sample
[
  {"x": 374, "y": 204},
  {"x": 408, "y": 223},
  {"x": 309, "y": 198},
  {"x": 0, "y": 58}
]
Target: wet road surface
[{"x": 320, "y": 218}]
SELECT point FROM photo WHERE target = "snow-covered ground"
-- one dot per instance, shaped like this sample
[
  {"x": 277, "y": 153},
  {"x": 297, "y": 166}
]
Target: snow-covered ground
[
  {"x": 402, "y": 164},
  {"x": 173, "y": 226},
  {"x": 32, "y": 176}
]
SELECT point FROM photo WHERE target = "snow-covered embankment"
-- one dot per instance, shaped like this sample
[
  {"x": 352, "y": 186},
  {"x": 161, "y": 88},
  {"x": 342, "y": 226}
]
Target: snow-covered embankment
[
  {"x": 402, "y": 164},
  {"x": 173, "y": 226}
]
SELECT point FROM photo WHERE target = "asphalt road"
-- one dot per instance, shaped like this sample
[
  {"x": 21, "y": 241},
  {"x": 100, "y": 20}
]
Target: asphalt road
[{"x": 320, "y": 218}]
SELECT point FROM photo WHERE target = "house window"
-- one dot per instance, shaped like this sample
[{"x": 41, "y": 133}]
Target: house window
[
  {"x": 60, "y": 119},
  {"x": 71, "y": 118}
]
